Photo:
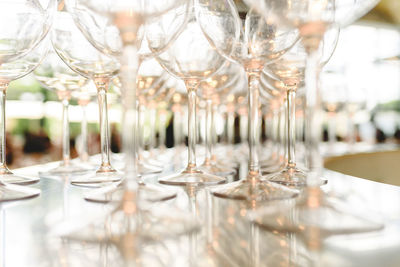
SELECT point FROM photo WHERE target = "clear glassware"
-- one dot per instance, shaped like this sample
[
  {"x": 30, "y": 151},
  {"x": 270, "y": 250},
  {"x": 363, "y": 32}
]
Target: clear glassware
[
  {"x": 24, "y": 25},
  {"x": 55, "y": 75},
  {"x": 190, "y": 58},
  {"x": 275, "y": 161},
  {"x": 10, "y": 71},
  {"x": 252, "y": 41},
  {"x": 314, "y": 213},
  {"x": 84, "y": 96},
  {"x": 84, "y": 59},
  {"x": 114, "y": 27},
  {"x": 126, "y": 17},
  {"x": 289, "y": 69},
  {"x": 210, "y": 89}
]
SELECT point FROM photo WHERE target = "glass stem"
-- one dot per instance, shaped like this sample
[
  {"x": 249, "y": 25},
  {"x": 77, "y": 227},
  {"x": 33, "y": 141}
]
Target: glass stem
[
  {"x": 177, "y": 128},
  {"x": 291, "y": 129},
  {"x": 102, "y": 87},
  {"x": 140, "y": 130},
  {"x": 274, "y": 132},
  {"x": 254, "y": 122},
  {"x": 313, "y": 116},
  {"x": 129, "y": 62},
  {"x": 191, "y": 86},
  {"x": 231, "y": 127},
  {"x": 331, "y": 129},
  {"x": 3, "y": 163},
  {"x": 208, "y": 137},
  {"x": 84, "y": 135},
  {"x": 162, "y": 129},
  {"x": 65, "y": 133},
  {"x": 153, "y": 120},
  {"x": 214, "y": 136},
  {"x": 243, "y": 128}
]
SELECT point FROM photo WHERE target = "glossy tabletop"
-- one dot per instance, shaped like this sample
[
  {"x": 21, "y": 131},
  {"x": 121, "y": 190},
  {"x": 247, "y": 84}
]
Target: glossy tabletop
[{"x": 226, "y": 237}]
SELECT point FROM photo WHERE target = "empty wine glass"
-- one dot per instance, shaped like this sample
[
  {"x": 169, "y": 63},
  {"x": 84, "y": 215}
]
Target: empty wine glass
[
  {"x": 55, "y": 75},
  {"x": 84, "y": 96},
  {"x": 210, "y": 88},
  {"x": 114, "y": 28},
  {"x": 253, "y": 41},
  {"x": 10, "y": 71},
  {"x": 191, "y": 58},
  {"x": 84, "y": 59},
  {"x": 24, "y": 25},
  {"x": 314, "y": 212}
]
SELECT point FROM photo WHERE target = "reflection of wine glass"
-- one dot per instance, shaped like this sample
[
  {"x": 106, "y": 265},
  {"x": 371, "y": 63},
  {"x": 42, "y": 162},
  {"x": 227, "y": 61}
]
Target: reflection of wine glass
[
  {"x": 53, "y": 74},
  {"x": 10, "y": 71},
  {"x": 253, "y": 42},
  {"x": 81, "y": 57},
  {"x": 190, "y": 58}
]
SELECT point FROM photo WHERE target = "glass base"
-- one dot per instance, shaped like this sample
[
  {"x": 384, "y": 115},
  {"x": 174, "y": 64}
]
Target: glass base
[
  {"x": 9, "y": 192},
  {"x": 217, "y": 169},
  {"x": 291, "y": 177},
  {"x": 10, "y": 178},
  {"x": 273, "y": 168},
  {"x": 315, "y": 216},
  {"x": 194, "y": 178},
  {"x": 115, "y": 193},
  {"x": 143, "y": 168},
  {"x": 65, "y": 170},
  {"x": 254, "y": 189},
  {"x": 97, "y": 180}
]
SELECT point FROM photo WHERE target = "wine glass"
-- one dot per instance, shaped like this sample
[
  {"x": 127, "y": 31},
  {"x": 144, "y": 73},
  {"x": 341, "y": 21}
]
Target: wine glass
[
  {"x": 24, "y": 25},
  {"x": 190, "y": 58},
  {"x": 84, "y": 59},
  {"x": 314, "y": 211},
  {"x": 55, "y": 75},
  {"x": 253, "y": 42},
  {"x": 10, "y": 71},
  {"x": 84, "y": 97},
  {"x": 290, "y": 70},
  {"x": 113, "y": 27},
  {"x": 210, "y": 88}
]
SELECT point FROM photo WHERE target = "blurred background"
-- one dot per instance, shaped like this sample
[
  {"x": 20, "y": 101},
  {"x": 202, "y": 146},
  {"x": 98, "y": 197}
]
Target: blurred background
[{"x": 360, "y": 84}]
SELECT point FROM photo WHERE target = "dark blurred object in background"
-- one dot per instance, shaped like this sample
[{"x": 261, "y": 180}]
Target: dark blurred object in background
[
  {"x": 380, "y": 136},
  {"x": 36, "y": 142}
]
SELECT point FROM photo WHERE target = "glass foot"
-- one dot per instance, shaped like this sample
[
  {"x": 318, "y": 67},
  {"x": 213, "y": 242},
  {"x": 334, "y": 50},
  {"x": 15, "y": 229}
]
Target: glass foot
[
  {"x": 145, "y": 168},
  {"x": 217, "y": 169},
  {"x": 9, "y": 192},
  {"x": 10, "y": 178},
  {"x": 63, "y": 170},
  {"x": 254, "y": 189},
  {"x": 195, "y": 178},
  {"x": 98, "y": 179},
  {"x": 291, "y": 177},
  {"x": 274, "y": 168},
  {"x": 314, "y": 215},
  {"x": 115, "y": 193}
]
